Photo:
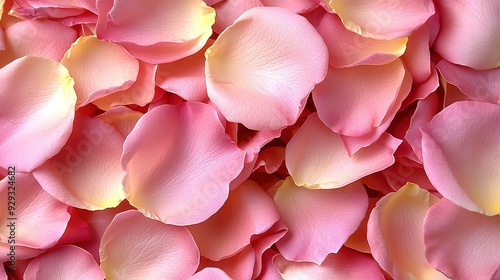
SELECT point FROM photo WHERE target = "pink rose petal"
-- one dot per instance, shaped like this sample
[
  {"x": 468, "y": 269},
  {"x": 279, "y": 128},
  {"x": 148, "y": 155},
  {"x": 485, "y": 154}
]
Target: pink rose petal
[
  {"x": 259, "y": 73},
  {"x": 248, "y": 211},
  {"x": 316, "y": 157},
  {"x": 461, "y": 153},
  {"x": 121, "y": 118},
  {"x": 156, "y": 31},
  {"x": 86, "y": 173},
  {"x": 136, "y": 247},
  {"x": 210, "y": 273},
  {"x": 64, "y": 262},
  {"x": 318, "y": 221},
  {"x": 396, "y": 233},
  {"x": 472, "y": 28},
  {"x": 462, "y": 244},
  {"x": 296, "y": 6},
  {"x": 36, "y": 120},
  {"x": 179, "y": 163},
  {"x": 99, "y": 68},
  {"x": 229, "y": 10}
]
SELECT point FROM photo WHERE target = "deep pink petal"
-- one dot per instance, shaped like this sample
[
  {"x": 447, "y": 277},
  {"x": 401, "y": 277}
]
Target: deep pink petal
[
  {"x": 462, "y": 244},
  {"x": 35, "y": 212},
  {"x": 460, "y": 154},
  {"x": 87, "y": 172},
  {"x": 472, "y": 28},
  {"x": 259, "y": 73},
  {"x": 179, "y": 163},
  {"x": 156, "y": 31},
  {"x": 136, "y": 247},
  {"x": 36, "y": 120},
  {"x": 248, "y": 211},
  {"x": 64, "y": 262},
  {"x": 346, "y": 264},
  {"x": 318, "y": 221},
  {"x": 316, "y": 157},
  {"x": 396, "y": 234}
]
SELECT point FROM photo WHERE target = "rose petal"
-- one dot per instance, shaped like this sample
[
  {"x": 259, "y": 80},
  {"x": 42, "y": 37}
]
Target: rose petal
[
  {"x": 229, "y": 10},
  {"x": 86, "y": 173},
  {"x": 210, "y": 273},
  {"x": 318, "y": 221},
  {"x": 136, "y": 247},
  {"x": 382, "y": 19},
  {"x": 316, "y": 157},
  {"x": 472, "y": 28},
  {"x": 462, "y": 244},
  {"x": 296, "y": 6},
  {"x": 64, "y": 262},
  {"x": 239, "y": 266},
  {"x": 460, "y": 154},
  {"x": 35, "y": 212},
  {"x": 346, "y": 264},
  {"x": 43, "y": 38},
  {"x": 396, "y": 234},
  {"x": 179, "y": 163},
  {"x": 259, "y": 73},
  {"x": 121, "y": 118},
  {"x": 99, "y": 68},
  {"x": 156, "y": 31},
  {"x": 353, "y": 101},
  {"x": 248, "y": 211},
  {"x": 36, "y": 120}
]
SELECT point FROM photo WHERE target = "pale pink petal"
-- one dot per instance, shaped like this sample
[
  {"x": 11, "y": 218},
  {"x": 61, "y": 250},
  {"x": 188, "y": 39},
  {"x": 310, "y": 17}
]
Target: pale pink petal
[
  {"x": 318, "y": 221},
  {"x": 87, "y": 172},
  {"x": 179, "y": 163},
  {"x": 99, "y": 68},
  {"x": 140, "y": 93},
  {"x": 121, "y": 118},
  {"x": 348, "y": 49},
  {"x": 346, "y": 264},
  {"x": 479, "y": 85},
  {"x": 210, "y": 273},
  {"x": 396, "y": 233},
  {"x": 460, "y": 154},
  {"x": 64, "y": 262},
  {"x": 316, "y": 157},
  {"x": 239, "y": 266},
  {"x": 44, "y": 38},
  {"x": 472, "y": 28},
  {"x": 38, "y": 118},
  {"x": 156, "y": 31},
  {"x": 229, "y": 10},
  {"x": 296, "y": 6},
  {"x": 259, "y": 73},
  {"x": 136, "y": 247},
  {"x": 353, "y": 101},
  {"x": 462, "y": 244},
  {"x": 248, "y": 211},
  {"x": 3, "y": 274},
  {"x": 382, "y": 19},
  {"x": 35, "y": 212},
  {"x": 185, "y": 77}
]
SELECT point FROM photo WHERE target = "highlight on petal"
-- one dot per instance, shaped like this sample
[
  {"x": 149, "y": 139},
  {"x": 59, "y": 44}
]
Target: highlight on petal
[
  {"x": 472, "y": 28},
  {"x": 36, "y": 120},
  {"x": 353, "y": 101},
  {"x": 136, "y": 247},
  {"x": 179, "y": 163},
  {"x": 396, "y": 233},
  {"x": 318, "y": 221},
  {"x": 156, "y": 31},
  {"x": 462, "y": 244},
  {"x": 248, "y": 211},
  {"x": 99, "y": 68},
  {"x": 64, "y": 262},
  {"x": 460, "y": 154},
  {"x": 259, "y": 73},
  {"x": 316, "y": 157},
  {"x": 43, "y": 38},
  {"x": 35, "y": 210},
  {"x": 346, "y": 264},
  {"x": 347, "y": 49},
  {"x": 381, "y": 19},
  {"x": 87, "y": 172}
]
